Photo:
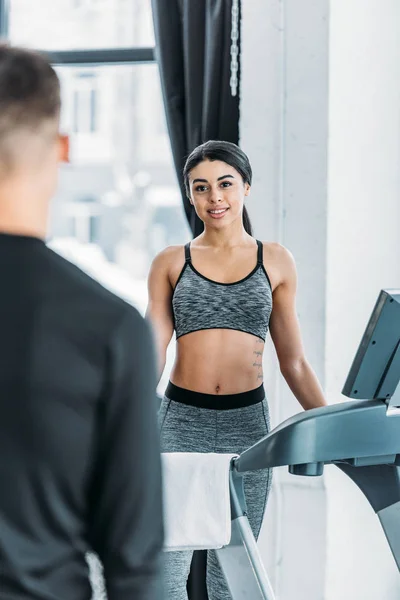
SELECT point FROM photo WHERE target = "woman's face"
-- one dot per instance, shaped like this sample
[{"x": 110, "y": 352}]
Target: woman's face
[{"x": 217, "y": 192}]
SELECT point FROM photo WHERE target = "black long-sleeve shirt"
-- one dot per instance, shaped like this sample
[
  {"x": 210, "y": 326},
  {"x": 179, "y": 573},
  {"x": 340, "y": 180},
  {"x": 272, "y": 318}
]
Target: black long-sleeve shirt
[{"x": 79, "y": 452}]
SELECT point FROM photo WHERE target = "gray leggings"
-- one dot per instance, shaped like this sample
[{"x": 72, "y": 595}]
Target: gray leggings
[{"x": 187, "y": 428}]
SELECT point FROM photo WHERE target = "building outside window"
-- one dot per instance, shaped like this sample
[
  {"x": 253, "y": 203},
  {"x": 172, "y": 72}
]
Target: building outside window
[{"x": 84, "y": 103}]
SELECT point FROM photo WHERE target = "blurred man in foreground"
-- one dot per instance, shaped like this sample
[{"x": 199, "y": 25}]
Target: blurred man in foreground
[{"x": 79, "y": 453}]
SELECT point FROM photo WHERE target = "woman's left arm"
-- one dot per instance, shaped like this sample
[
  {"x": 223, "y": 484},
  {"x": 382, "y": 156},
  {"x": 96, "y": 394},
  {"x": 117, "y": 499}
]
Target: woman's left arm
[{"x": 286, "y": 336}]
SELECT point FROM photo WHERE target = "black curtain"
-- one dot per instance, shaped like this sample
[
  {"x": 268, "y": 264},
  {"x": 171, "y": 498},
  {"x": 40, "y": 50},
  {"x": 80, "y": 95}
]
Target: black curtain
[{"x": 193, "y": 49}]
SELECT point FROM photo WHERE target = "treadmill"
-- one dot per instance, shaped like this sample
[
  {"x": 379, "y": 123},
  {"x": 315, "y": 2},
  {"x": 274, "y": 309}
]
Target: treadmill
[{"x": 361, "y": 437}]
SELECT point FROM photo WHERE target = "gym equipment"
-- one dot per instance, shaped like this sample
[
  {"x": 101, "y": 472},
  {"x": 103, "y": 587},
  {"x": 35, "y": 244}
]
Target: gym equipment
[{"x": 361, "y": 437}]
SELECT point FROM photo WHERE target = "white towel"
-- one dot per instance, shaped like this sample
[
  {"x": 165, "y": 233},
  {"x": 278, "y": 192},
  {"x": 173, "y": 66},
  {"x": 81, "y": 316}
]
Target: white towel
[{"x": 197, "y": 512}]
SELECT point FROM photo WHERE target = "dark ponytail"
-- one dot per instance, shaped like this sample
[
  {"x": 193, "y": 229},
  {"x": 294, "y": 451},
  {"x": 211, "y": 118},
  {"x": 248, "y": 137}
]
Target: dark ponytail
[
  {"x": 246, "y": 222},
  {"x": 228, "y": 153}
]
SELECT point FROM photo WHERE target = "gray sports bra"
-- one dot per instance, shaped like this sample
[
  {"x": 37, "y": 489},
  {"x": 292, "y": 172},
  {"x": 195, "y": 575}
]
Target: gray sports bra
[{"x": 201, "y": 303}]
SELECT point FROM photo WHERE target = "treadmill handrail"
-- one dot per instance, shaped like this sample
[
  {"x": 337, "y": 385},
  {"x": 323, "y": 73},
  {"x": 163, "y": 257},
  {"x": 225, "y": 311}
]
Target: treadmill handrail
[{"x": 353, "y": 429}]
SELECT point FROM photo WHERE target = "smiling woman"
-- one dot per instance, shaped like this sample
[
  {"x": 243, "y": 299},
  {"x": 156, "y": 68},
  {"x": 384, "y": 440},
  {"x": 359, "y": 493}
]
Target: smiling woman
[
  {"x": 237, "y": 172},
  {"x": 221, "y": 293}
]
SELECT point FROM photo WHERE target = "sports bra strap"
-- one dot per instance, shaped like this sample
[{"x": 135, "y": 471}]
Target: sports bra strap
[
  {"x": 259, "y": 253},
  {"x": 188, "y": 258}
]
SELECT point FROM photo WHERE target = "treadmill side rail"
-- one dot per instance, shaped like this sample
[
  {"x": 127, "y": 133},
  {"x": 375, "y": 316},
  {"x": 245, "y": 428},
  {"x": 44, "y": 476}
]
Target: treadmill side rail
[
  {"x": 240, "y": 561},
  {"x": 241, "y": 565}
]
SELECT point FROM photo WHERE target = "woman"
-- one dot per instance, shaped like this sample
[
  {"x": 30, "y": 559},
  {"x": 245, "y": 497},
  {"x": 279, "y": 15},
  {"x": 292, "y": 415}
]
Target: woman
[{"x": 221, "y": 293}]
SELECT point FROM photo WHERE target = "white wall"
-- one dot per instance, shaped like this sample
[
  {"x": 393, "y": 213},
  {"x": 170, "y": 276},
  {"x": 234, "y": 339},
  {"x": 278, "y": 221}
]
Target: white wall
[
  {"x": 363, "y": 255},
  {"x": 260, "y": 132},
  {"x": 284, "y": 117},
  {"x": 309, "y": 68}
]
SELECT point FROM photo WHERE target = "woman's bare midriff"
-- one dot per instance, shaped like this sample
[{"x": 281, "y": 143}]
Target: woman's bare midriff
[{"x": 218, "y": 361}]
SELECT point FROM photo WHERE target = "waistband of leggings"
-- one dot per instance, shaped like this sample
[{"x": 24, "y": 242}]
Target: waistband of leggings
[{"x": 214, "y": 401}]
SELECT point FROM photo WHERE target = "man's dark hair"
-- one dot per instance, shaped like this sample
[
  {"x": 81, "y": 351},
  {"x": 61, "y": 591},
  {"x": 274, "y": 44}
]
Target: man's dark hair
[{"x": 29, "y": 90}]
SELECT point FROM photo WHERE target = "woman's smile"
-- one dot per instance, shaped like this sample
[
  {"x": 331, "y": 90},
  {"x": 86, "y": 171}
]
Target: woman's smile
[{"x": 218, "y": 213}]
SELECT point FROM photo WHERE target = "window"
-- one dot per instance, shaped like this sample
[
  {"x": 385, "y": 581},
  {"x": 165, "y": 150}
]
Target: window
[
  {"x": 121, "y": 182},
  {"x": 77, "y": 24},
  {"x": 118, "y": 202}
]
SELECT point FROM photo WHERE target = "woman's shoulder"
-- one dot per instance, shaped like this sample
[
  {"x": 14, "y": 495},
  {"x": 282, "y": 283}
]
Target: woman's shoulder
[
  {"x": 277, "y": 251},
  {"x": 168, "y": 261},
  {"x": 170, "y": 253},
  {"x": 279, "y": 263}
]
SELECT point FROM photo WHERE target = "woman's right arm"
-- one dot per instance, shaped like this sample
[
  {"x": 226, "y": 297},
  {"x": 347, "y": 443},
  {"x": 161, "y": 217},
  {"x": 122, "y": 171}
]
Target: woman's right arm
[{"x": 159, "y": 309}]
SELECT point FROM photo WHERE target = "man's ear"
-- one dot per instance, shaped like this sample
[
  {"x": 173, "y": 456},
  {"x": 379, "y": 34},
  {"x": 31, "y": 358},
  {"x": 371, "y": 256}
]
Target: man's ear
[{"x": 64, "y": 148}]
